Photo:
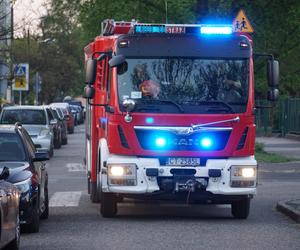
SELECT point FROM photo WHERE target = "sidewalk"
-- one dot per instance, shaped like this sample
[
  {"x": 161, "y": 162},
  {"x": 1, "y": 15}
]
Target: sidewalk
[
  {"x": 290, "y": 148},
  {"x": 279, "y": 145}
]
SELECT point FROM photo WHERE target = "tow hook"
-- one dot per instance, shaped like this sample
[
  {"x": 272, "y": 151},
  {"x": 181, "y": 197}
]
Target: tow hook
[{"x": 191, "y": 185}]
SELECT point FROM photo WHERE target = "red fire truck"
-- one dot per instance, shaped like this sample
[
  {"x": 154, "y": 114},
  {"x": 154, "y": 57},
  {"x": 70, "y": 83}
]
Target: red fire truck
[{"x": 170, "y": 115}]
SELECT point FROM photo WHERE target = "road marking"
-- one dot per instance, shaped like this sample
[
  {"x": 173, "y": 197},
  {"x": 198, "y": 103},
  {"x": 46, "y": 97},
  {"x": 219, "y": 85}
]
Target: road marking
[
  {"x": 75, "y": 167},
  {"x": 65, "y": 199}
]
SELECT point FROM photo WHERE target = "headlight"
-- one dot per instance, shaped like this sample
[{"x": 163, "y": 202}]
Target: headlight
[
  {"x": 243, "y": 176},
  {"x": 122, "y": 174},
  {"x": 44, "y": 132},
  {"x": 23, "y": 186}
]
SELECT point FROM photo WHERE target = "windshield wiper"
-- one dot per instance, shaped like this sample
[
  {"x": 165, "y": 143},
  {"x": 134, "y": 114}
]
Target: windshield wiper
[
  {"x": 154, "y": 101},
  {"x": 213, "y": 105}
]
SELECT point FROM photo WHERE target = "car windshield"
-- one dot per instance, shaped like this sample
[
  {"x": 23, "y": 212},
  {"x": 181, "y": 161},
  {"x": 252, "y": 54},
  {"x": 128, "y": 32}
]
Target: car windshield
[
  {"x": 11, "y": 148},
  {"x": 25, "y": 116},
  {"x": 185, "y": 85}
]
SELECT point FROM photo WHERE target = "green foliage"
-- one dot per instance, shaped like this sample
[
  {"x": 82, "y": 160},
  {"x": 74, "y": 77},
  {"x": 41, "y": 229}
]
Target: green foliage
[
  {"x": 71, "y": 24},
  {"x": 93, "y": 12},
  {"x": 262, "y": 156}
]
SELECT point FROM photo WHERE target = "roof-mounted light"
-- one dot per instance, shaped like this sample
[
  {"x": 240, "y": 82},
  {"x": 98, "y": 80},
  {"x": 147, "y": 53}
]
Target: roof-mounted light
[{"x": 216, "y": 30}]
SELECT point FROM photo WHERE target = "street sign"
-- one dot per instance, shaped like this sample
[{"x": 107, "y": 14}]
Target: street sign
[
  {"x": 21, "y": 80},
  {"x": 242, "y": 24}
]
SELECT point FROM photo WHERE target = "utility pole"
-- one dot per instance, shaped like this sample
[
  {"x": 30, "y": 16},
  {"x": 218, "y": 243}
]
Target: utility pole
[
  {"x": 37, "y": 88},
  {"x": 9, "y": 96}
]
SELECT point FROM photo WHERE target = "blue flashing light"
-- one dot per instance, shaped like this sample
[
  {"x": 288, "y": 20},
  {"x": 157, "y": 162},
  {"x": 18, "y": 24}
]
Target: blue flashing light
[
  {"x": 160, "y": 142},
  {"x": 216, "y": 30},
  {"x": 150, "y": 29},
  {"x": 206, "y": 142},
  {"x": 149, "y": 120}
]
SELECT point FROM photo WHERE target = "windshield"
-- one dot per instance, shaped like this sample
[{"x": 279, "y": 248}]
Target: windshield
[
  {"x": 11, "y": 148},
  {"x": 184, "y": 85},
  {"x": 28, "y": 116}
]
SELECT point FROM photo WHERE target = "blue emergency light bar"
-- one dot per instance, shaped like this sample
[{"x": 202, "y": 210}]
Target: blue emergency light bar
[
  {"x": 216, "y": 30},
  {"x": 184, "y": 29}
]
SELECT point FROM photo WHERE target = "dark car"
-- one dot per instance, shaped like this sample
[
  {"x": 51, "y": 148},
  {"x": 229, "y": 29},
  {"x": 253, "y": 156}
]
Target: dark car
[
  {"x": 58, "y": 114},
  {"x": 27, "y": 172},
  {"x": 65, "y": 107},
  {"x": 9, "y": 213},
  {"x": 79, "y": 106},
  {"x": 75, "y": 113},
  {"x": 56, "y": 126}
]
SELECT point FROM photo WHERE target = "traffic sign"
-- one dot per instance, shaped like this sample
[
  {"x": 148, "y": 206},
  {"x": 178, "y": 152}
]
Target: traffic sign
[
  {"x": 21, "y": 80},
  {"x": 242, "y": 24}
]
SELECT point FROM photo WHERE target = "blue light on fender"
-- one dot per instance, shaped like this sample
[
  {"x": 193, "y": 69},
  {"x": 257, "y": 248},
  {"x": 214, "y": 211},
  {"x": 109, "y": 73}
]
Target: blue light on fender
[
  {"x": 149, "y": 120},
  {"x": 216, "y": 30}
]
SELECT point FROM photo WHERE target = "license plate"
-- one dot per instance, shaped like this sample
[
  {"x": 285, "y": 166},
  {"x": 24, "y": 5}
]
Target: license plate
[{"x": 183, "y": 161}]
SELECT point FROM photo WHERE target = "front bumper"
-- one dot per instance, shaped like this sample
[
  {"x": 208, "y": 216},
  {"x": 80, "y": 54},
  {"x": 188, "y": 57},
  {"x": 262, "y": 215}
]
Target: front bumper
[
  {"x": 213, "y": 187},
  {"x": 27, "y": 206}
]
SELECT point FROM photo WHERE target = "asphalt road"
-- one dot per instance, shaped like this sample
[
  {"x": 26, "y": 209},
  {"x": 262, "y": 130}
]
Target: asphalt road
[{"x": 75, "y": 223}]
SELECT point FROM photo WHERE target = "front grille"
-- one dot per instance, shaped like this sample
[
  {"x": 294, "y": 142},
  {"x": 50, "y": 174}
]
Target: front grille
[{"x": 191, "y": 142}]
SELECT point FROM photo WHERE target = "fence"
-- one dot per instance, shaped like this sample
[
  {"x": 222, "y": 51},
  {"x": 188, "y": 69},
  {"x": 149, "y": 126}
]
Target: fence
[{"x": 283, "y": 118}]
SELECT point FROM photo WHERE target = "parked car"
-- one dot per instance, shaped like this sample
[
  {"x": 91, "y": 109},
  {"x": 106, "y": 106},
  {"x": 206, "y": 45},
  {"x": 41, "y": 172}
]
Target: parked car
[
  {"x": 36, "y": 121},
  {"x": 27, "y": 172},
  {"x": 65, "y": 107},
  {"x": 9, "y": 213},
  {"x": 56, "y": 125},
  {"x": 79, "y": 107},
  {"x": 75, "y": 113},
  {"x": 58, "y": 114}
]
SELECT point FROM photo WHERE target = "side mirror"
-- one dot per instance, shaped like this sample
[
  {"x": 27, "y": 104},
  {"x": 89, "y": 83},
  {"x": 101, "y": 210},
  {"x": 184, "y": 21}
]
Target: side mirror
[
  {"x": 116, "y": 61},
  {"x": 273, "y": 73},
  {"x": 273, "y": 95},
  {"x": 90, "y": 71},
  {"x": 4, "y": 174},
  {"x": 89, "y": 92},
  {"x": 53, "y": 122},
  {"x": 129, "y": 105},
  {"x": 41, "y": 156}
]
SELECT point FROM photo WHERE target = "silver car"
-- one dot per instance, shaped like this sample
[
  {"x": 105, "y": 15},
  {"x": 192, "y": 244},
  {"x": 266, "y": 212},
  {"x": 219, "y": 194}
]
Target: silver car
[{"x": 36, "y": 121}]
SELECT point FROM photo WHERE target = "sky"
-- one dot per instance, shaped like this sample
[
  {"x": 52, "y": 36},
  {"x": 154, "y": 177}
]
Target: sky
[{"x": 26, "y": 15}]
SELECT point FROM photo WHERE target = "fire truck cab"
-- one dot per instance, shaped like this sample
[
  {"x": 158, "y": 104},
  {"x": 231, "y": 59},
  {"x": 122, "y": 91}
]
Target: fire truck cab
[{"x": 170, "y": 115}]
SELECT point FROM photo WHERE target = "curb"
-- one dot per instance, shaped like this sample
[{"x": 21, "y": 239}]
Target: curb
[{"x": 287, "y": 208}]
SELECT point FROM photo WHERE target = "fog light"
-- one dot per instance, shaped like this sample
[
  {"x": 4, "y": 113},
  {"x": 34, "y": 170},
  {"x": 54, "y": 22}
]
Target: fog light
[
  {"x": 206, "y": 142},
  {"x": 248, "y": 172},
  {"x": 117, "y": 171}
]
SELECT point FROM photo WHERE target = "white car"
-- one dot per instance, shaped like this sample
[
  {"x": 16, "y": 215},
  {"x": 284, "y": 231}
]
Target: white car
[{"x": 36, "y": 121}]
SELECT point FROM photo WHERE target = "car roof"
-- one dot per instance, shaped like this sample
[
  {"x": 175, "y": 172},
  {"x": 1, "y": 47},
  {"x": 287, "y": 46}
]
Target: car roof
[
  {"x": 24, "y": 107},
  {"x": 7, "y": 128},
  {"x": 60, "y": 104}
]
